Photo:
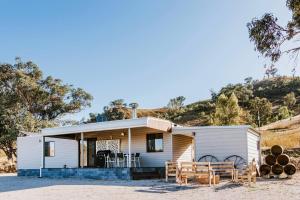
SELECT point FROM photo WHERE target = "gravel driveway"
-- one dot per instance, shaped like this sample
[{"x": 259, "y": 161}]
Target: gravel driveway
[{"x": 22, "y": 188}]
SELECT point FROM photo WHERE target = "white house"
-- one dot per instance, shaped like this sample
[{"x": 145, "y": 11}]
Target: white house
[{"x": 72, "y": 151}]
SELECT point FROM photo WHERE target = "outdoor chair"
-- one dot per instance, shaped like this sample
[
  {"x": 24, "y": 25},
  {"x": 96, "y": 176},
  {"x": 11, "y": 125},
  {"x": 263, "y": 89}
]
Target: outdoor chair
[
  {"x": 247, "y": 175},
  {"x": 135, "y": 159},
  {"x": 171, "y": 170},
  {"x": 111, "y": 160},
  {"x": 120, "y": 160}
]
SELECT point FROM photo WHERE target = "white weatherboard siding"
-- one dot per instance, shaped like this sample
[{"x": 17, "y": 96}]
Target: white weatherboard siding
[
  {"x": 139, "y": 145},
  {"x": 253, "y": 146},
  {"x": 182, "y": 148},
  {"x": 29, "y": 153},
  {"x": 152, "y": 159},
  {"x": 221, "y": 142},
  {"x": 66, "y": 153}
]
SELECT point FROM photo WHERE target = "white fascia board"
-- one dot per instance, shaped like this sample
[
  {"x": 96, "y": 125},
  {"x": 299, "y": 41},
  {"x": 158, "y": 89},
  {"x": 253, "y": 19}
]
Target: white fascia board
[
  {"x": 186, "y": 130},
  {"x": 99, "y": 126}
]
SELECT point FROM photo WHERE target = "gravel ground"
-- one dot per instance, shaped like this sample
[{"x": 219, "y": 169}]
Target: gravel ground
[{"x": 22, "y": 188}]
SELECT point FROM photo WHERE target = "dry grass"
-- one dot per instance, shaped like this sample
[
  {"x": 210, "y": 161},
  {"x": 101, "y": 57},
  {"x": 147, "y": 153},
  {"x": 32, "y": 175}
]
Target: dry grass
[
  {"x": 286, "y": 140},
  {"x": 285, "y": 133}
]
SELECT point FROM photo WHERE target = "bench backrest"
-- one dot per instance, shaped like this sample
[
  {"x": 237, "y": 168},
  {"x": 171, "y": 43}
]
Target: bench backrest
[
  {"x": 222, "y": 166},
  {"x": 200, "y": 167}
]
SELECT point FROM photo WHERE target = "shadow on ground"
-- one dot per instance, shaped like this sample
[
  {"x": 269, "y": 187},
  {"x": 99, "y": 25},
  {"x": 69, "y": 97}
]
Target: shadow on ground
[{"x": 14, "y": 183}]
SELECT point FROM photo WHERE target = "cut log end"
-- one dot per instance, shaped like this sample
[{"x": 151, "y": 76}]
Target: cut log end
[
  {"x": 264, "y": 170},
  {"x": 290, "y": 169},
  {"x": 270, "y": 160},
  {"x": 276, "y": 150},
  {"x": 283, "y": 159},
  {"x": 277, "y": 169}
]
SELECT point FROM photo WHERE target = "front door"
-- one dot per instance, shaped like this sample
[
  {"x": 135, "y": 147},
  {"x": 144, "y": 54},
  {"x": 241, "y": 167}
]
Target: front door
[{"x": 91, "y": 152}]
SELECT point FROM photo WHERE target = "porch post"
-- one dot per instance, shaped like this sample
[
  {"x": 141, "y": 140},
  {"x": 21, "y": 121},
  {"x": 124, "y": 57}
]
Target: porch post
[
  {"x": 129, "y": 148},
  {"x": 43, "y": 156},
  {"x": 82, "y": 150}
]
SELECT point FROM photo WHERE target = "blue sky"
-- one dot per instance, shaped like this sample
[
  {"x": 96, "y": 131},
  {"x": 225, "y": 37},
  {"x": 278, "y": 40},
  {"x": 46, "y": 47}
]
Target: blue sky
[{"x": 141, "y": 51}]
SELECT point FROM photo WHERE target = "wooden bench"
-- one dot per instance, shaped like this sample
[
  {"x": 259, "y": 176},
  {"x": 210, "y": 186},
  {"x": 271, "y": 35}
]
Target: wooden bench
[
  {"x": 195, "y": 170},
  {"x": 204, "y": 168},
  {"x": 185, "y": 172},
  {"x": 225, "y": 169},
  {"x": 171, "y": 170}
]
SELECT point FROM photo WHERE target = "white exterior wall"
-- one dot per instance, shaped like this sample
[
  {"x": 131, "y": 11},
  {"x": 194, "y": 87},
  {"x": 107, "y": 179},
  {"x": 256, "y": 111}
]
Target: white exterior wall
[
  {"x": 221, "y": 142},
  {"x": 139, "y": 145},
  {"x": 66, "y": 153},
  {"x": 182, "y": 148},
  {"x": 151, "y": 159},
  {"x": 29, "y": 153},
  {"x": 253, "y": 146}
]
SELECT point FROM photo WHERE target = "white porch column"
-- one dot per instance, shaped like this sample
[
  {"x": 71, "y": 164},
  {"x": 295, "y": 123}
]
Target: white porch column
[
  {"x": 81, "y": 150},
  {"x": 129, "y": 148},
  {"x": 43, "y": 155}
]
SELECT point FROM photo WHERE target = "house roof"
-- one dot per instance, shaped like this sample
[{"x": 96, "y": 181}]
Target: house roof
[
  {"x": 150, "y": 122},
  {"x": 190, "y": 130}
]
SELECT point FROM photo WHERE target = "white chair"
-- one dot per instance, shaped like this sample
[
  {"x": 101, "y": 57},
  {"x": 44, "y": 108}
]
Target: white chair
[
  {"x": 135, "y": 159},
  {"x": 120, "y": 160},
  {"x": 111, "y": 160}
]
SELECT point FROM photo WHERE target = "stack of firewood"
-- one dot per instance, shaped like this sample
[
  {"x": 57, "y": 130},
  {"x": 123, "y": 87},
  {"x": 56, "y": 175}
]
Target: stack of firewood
[{"x": 277, "y": 164}]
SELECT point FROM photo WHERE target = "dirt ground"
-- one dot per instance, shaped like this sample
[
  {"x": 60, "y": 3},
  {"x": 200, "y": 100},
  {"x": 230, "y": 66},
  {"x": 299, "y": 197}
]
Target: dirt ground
[{"x": 23, "y": 188}]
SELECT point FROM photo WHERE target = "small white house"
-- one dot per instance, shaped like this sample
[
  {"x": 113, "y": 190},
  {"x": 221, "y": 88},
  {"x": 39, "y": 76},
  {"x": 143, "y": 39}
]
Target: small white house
[{"x": 147, "y": 142}]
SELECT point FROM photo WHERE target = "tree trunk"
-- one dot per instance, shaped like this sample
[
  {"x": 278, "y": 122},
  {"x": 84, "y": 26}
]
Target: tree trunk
[{"x": 10, "y": 152}]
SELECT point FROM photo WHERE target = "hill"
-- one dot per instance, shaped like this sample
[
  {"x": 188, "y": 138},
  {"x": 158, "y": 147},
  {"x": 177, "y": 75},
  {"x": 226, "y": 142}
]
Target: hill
[
  {"x": 284, "y": 132},
  {"x": 201, "y": 112}
]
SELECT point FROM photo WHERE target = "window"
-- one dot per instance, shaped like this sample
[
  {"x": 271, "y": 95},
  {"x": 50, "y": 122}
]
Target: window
[
  {"x": 155, "y": 142},
  {"x": 49, "y": 149}
]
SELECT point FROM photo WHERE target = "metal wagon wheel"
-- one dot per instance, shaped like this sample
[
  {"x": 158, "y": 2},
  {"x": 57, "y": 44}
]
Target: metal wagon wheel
[
  {"x": 208, "y": 158},
  {"x": 238, "y": 161}
]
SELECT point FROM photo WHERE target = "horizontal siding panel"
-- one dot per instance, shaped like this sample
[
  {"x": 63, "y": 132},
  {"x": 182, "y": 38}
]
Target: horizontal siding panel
[
  {"x": 221, "y": 143},
  {"x": 253, "y": 152},
  {"x": 182, "y": 148}
]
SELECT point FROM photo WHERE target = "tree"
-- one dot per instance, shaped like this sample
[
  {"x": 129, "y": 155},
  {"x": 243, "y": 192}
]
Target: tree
[
  {"x": 116, "y": 110},
  {"x": 261, "y": 109},
  {"x": 270, "y": 38},
  {"x": 227, "y": 110},
  {"x": 283, "y": 112},
  {"x": 176, "y": 103},
  {"x": 244, "y": 92},
  {"x": 271, "y": 71},
  {"x": 28, "y": 101},
  {"x": 290, "y": 100}
]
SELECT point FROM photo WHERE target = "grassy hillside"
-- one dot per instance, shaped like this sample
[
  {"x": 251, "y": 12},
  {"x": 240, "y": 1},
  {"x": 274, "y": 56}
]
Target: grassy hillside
[
  {"x": 284, "y": 132},
  {"x": 199, "y": 113}
]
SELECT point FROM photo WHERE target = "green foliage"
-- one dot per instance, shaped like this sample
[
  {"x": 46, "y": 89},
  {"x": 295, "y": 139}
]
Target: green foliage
[
  {"x": 274, "y": 89},
  {"x": 227, "y": 110},
  {"x": 244, "y": 92},
  {"x": 261, "y": 110},
  {"x": 283, "y": 112},
  {"x": 269, "y": 37},
  {"x": 116, "y": 110},
  {"x": 28, "y": 101},
  {"x": 176, "y": 103},
  {"x": 290, "y": 100}
]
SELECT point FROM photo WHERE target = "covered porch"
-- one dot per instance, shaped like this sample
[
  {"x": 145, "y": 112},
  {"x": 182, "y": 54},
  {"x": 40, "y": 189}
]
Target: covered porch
[{"x": 108, "y": 149}]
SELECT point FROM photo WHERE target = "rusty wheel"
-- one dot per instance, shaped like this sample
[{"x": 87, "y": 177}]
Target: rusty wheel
[{"x": 208, "y": 158}]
